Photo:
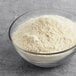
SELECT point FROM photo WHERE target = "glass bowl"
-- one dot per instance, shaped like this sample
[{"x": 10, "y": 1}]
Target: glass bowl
[{"x": 42, "y": 59}]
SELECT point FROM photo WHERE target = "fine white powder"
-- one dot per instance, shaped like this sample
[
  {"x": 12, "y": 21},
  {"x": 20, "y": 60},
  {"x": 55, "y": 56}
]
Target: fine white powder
[{"x": 45, "y": 34}]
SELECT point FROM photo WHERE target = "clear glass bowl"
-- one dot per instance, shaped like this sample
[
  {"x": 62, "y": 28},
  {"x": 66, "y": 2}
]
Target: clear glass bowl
[{"x": 42, "y": 59}]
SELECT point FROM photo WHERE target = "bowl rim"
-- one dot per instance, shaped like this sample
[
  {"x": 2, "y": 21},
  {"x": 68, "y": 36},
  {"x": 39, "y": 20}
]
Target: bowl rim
[{"x": 9, "y": 34}]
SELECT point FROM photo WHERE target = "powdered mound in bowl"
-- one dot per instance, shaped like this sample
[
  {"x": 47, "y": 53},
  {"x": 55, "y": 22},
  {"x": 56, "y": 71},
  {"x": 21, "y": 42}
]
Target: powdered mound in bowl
[{"x": 45, "y": 34}]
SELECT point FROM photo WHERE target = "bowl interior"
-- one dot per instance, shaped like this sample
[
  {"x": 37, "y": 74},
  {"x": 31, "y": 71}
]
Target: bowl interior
[{"x": 38, "y": 12}]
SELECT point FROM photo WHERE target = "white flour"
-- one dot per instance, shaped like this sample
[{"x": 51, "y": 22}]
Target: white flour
[{"x": 45, "y": 34}]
